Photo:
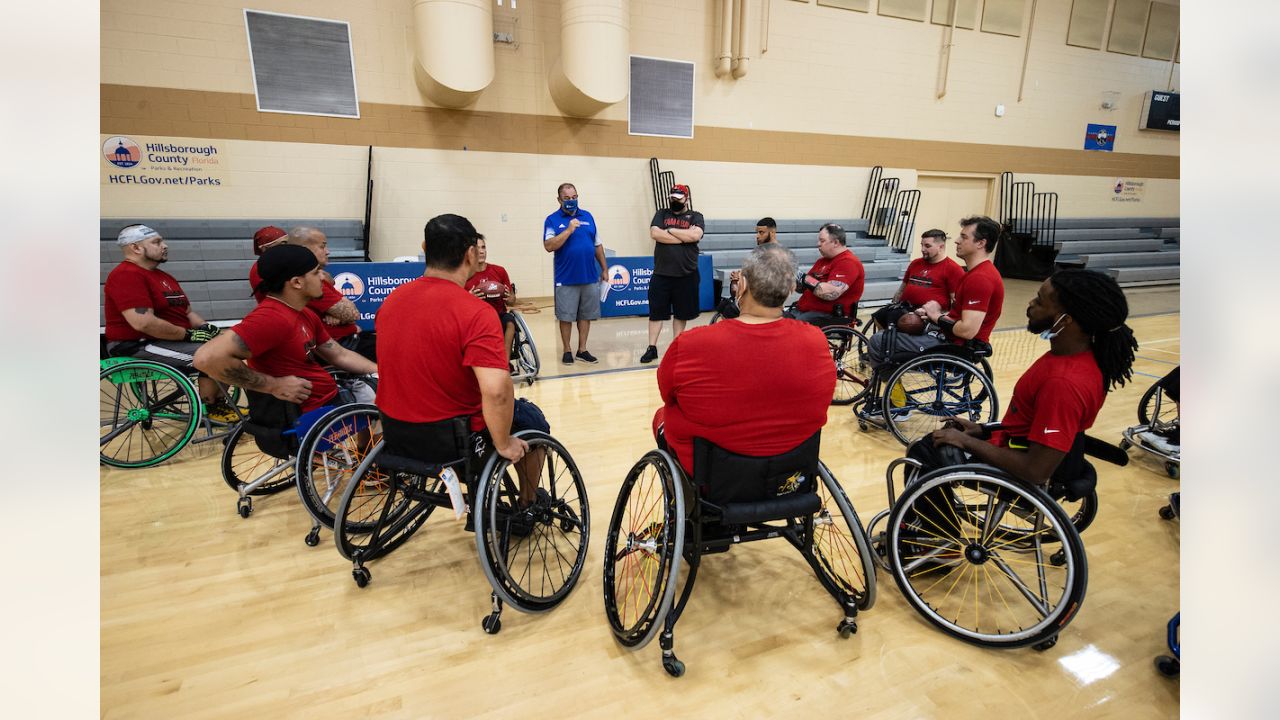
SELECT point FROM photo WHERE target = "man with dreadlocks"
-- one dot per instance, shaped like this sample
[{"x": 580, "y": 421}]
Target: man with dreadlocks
[{"x": 1082, "y": 314}]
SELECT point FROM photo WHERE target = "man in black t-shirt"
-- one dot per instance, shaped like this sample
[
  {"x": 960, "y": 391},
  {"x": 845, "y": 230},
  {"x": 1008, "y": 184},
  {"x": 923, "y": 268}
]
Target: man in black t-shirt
[{"x": 673, "y": 289}]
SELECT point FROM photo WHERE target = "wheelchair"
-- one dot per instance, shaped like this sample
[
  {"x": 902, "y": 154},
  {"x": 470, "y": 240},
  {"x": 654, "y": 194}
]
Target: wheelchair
[
  {"x": 662, "y": 519},
  {"x": 986, "y": 557},
  {"x": 532, "y": 554},
  {"x": 524, "y": 354},
  {"x": 1157, "y": 415},
  {"x": 149, "y": 411},
  {"x": 913, "y": 397}
]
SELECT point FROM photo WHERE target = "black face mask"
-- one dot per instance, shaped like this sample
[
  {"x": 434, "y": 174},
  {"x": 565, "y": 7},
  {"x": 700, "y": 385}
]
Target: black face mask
[{"x": 677, "y": 206}]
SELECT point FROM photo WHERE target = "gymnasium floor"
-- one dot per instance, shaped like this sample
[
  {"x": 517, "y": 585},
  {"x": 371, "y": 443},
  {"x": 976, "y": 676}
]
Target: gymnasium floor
[{"x": 208, "y": 615}]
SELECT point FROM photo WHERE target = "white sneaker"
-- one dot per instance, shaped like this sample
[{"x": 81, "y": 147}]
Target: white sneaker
[{"x": 1159, "y": 443}]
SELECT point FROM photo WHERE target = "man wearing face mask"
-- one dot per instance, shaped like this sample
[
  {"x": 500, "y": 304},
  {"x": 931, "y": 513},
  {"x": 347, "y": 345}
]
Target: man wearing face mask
[
  {"x": 571, "y": 233},
  {"x": 673, "y": 289}
]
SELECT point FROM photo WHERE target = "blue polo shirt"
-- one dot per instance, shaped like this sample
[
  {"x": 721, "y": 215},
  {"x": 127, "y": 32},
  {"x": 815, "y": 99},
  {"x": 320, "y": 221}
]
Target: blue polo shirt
[{"x": 576, "y": 259}]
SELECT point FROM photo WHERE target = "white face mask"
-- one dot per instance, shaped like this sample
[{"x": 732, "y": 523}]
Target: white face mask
[{"x": 1051, "y": 333}]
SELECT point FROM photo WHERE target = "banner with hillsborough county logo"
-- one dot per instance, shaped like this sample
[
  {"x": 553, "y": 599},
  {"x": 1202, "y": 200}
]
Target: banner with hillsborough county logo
[
  {"x": 147, "y": 161},
  {"x": 368, "y": 284},
  {"x": 627, "y": 292}
]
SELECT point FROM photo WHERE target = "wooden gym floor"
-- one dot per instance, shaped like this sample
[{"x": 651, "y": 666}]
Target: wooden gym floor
[{"x": 206, "y": 615}]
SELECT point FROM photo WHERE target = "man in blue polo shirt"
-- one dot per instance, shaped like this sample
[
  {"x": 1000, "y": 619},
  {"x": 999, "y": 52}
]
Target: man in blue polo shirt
[{"x": 571, "y": 234}]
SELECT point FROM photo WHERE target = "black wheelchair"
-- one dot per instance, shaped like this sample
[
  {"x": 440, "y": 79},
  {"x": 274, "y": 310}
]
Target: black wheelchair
[
  {"x": 986, "y": 557},
  {"x": 663, "y": 518},
  {"x": 150, "y": 411},
  {"x": 1159, "y": 424},
  {"x": 531, "y": 532},
  {"x": 525, "y": 363}
]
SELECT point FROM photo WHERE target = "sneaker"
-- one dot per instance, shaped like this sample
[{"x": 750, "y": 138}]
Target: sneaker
[
  {"x": 1159, "y": 443},
  {"x": 901, "y": 414},
  {"x": 221, "y": 412},
  {"x": 567, "y": 359},
  {"x": 586, "y": 357},
  {"x": 650, "y": 354}
]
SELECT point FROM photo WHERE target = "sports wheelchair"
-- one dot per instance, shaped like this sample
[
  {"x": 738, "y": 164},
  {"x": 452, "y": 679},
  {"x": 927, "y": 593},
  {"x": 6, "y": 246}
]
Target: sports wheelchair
[
  {"x": 1158, "y": 420},
  {"x": 912, "y": 397},
  {"x": 532, "y": 552},
  {"x": 524, "y": 354},
  {"x": 663, "y": 518},
  {"x": 986, "y": 557},
  {"x": 149, "y": 411}
]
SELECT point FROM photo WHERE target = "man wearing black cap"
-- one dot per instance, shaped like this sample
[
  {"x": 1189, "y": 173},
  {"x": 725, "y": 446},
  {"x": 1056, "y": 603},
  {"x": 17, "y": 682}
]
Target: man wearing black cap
[
  {"x": 673, "y": 288},
  {"x": 274, "y": 350}
]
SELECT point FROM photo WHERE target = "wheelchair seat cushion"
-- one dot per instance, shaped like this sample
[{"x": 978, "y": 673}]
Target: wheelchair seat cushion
[
  {"x": 269, "y": 419},
  {"x": 434, "y": 443},
  {"x": 791, "y": 505},
  {"x": 724, "y": 478}
]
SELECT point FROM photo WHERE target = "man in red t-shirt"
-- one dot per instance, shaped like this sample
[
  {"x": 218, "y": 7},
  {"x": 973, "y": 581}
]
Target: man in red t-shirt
[
  {"x": 441, "y": 356},
  {"x": 932, "y": 276},
  {"x": 1082, "y": 313},
  {"x": 980, "y": 296},
  {"x": 833, "y": 286},
  {"x": 149, "y": 316},
  {"x": 275, "y": 348},
  {"x": 486, "y": 274},
  {"x": 337, "y": 312},
  {"x": 714, "y": 384}
]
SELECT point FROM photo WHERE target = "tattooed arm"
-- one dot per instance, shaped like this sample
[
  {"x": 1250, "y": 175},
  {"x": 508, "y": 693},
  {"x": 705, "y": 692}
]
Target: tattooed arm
[
  {"x": 145, "y": 321},
  {"x": 223, "y": 358}
]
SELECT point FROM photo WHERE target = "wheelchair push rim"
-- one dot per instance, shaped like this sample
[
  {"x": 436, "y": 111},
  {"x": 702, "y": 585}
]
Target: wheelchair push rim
[
  {"x": 853, "y": 374},
  {"x": 921, "y": 394},
  {"x": 329, "y": 455},
  {"x": 148, "y": 412}
]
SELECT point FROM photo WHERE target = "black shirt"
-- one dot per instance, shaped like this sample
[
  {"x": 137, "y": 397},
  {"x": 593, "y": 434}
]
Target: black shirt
[{"x": 676, "y": 260}]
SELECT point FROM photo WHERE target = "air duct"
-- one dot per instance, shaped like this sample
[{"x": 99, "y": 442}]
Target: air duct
[
  {"x": 725, "y": 55},
  {"x": 453, "y": 49},
  {"x": 740, "y": 59},
  {"x": 595, "y": 46}
]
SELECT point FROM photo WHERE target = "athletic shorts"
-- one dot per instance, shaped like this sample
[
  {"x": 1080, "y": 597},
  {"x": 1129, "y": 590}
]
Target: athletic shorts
[
  {"x": 578, "y": 302},
  {"x": 174, "y": 353},
  {"x": 673, "y": 295}
]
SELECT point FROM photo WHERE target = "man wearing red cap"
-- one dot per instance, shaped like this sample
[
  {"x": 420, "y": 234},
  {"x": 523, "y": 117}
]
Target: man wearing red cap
[{"x": 673, "y": 288}]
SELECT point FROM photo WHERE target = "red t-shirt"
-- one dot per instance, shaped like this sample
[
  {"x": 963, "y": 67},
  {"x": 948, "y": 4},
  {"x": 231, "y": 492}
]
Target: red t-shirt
[
  {"x": 754, "y": 390},
  {"x": 330, "y": 298},
  {"x": 925, "y": 281},
  {"x": 1057, "y": 397},
  {"x": 497, "y": 273},
  {"x": 132, "y": 286},
  {"x": 980, "y": 289},
  {"x": 845, "y": 268},
  {"x": 431, "y": 333},
  {"x": 281, "y": 340}
]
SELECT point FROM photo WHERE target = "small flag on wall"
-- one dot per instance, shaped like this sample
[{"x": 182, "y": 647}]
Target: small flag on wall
[{"x": 1100, "y": 137}]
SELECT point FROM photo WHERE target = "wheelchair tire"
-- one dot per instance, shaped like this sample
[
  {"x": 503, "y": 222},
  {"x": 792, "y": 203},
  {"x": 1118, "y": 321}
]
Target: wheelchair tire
[
  {"x": 148, "y": 412},
  {"x": 329, "y": 454},
  {"x": 1081, "y": 512},
  {"x": 532, "y": 556},
  {"x": 379, "y": 511},
  {"x": 951, "y": 553},
  {"x": 853, "y": 372},
  {"x": 934, "y": 388},
  {"x": 526, "y": 352},
  {"x": 1155, "y": 408},
  {"x": 243, "y": 463},
  {"x": 842, "y": 556},
  {"x": 644, "y": 549}
]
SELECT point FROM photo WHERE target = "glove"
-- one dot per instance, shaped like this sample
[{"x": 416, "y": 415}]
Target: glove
[{"x": 202, "y": 333}]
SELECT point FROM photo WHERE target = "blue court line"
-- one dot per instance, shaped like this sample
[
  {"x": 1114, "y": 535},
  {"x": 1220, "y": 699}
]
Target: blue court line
[
  {"x": 1162, "y": 362},
  {"x": 1135, "y": 372}
]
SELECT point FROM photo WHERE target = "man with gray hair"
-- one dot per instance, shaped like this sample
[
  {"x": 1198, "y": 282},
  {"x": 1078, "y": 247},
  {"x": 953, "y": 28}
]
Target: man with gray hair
[{"x": 715, "y": 383}]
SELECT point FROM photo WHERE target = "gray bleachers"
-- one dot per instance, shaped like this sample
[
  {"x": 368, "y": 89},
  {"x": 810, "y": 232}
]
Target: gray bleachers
[
  {"x": 1138, "y": 250},
  {"x": 212, "y": 257},
  {"x": 1138, "y": 222}
]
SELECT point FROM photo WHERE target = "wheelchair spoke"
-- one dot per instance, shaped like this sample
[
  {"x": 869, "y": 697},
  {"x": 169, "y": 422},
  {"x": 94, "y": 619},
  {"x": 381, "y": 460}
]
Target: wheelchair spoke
[{"x": 1038, "y": 603}]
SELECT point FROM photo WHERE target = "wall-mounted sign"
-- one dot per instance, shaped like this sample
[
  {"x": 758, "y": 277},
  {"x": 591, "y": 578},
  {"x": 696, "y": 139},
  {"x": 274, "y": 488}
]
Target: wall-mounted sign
[
  {"x": 162, "y": 162},
  {"x": 1128, "y": 190},
  {"x": 1100, "y": 137}
]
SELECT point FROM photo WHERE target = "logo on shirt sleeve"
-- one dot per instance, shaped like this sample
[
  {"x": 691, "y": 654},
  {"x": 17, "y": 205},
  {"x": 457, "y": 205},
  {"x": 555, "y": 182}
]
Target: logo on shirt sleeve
[{"x": 549, "y": 234}]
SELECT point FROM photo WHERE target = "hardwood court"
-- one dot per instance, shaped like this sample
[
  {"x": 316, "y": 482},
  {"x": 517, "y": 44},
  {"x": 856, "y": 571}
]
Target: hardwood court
[{"x": 207, "y": 615}]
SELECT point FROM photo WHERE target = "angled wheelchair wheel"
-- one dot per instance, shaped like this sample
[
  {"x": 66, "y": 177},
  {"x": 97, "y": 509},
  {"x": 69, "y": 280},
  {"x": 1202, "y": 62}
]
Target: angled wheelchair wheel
[
  {"x": 970, "y": 550},
  {"x": 643, "y": 550},
  {"x": 526, "y": 353},
  {"x": 243, "y": 463},
  {"x": 532, "y": 552},
  {"x": 842, "y": 556},
  {"x": 378, "y": 511},
  {"x": 1156, "y": 408},
  {"x": 853, "y": 372},
  {"x": 926, "y": 390},
  {"x": 147, "y": 412},
  {"x": 329, "y": 454},
  {"x": 1081, "y": 512}
]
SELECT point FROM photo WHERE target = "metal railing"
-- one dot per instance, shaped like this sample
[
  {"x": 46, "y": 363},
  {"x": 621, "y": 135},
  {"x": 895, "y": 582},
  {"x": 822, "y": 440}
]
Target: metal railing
[
  {"x": 662, "y": 182},
  {"x": 1027, "y": 213},
  {"x": 906, "y": 205},
  {"x": 890, "y": 213}
]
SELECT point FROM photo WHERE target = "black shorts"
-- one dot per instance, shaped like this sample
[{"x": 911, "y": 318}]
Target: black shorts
[{"x": 673, "y": 294}]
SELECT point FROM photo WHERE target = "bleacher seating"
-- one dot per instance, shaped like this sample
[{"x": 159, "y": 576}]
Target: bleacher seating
[
  {"x": 729, "y": 241},
  {"x": 1135, "y": 251},
  {"x": 211, "y": 258}
]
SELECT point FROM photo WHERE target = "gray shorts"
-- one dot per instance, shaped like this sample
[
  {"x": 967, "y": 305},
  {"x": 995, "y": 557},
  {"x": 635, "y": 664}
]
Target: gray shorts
[
  {"x": 174, "y": 353},
  {"x": 578, "y": 302}
]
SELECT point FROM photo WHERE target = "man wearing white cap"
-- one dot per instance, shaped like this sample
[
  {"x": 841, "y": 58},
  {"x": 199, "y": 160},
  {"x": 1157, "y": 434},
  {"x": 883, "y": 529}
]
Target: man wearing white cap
[{"x": 149, "y": 316}]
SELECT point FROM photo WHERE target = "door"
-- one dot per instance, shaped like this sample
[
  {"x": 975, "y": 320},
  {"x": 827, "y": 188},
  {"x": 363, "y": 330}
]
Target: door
[{"x": 944, "y": 200}]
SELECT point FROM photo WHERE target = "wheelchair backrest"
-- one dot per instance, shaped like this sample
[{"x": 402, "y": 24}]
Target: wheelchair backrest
[
  {"x": 724, "y": 477},
  {"x": 444, "y": 442}
]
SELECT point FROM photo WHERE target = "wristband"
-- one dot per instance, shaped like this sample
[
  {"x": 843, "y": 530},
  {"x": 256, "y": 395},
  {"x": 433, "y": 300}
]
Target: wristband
[{"x": 946, "y": 323}]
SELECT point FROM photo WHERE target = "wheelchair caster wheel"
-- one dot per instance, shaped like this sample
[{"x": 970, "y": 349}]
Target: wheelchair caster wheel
[
  {"x": 847, "y": 628},
  {"x": 313, "y": 538},
  {"x": 1042, "y": 646},
  {"x": 1168, "y": 666},
  {"x": 1058, "y": 559},
  {"x": 1171, "y": 469},
  {"x": 1125, "y": 445},
  {"x": 673, "y": 666},
  {"x": 1167, "y": 512},
  {"x": 362, "y": 576},
  {"x": 244, "y": 506},
  {"x": 491, "y": 624},
  {"x": 862, "y": 425}
]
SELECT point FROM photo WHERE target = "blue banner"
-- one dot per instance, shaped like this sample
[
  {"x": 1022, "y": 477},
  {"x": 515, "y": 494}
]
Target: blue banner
[
  {"x": 1100, "y": 137},
  {"x": 628, "y": 289},
  {"x": 368, "y": 284}
]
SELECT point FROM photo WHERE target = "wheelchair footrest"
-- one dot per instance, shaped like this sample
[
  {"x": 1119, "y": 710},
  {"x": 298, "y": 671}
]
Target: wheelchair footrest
[{"x": 778, "y": 508}]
